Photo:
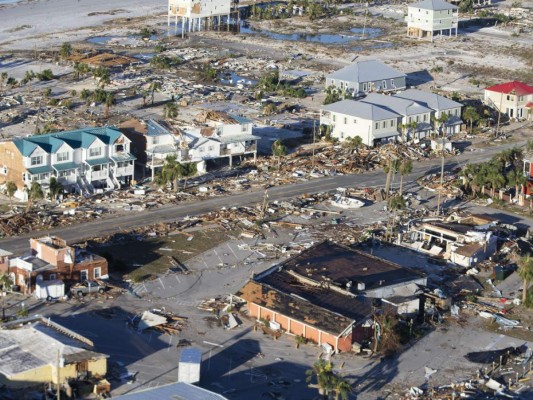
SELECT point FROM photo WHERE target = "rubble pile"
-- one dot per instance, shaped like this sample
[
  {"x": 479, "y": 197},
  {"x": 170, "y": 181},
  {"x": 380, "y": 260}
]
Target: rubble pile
[
  {"x": 159, "y": 320},
  {"x": 432, "y": 183}
]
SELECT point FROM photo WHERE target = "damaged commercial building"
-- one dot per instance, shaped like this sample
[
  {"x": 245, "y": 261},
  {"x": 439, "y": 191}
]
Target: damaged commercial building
[
  {"x": 51, "y": 260},
  {"x": 219, "y": 136},
  {"x": 43, "y": 352},
  {"x": 462, "y": 240},
  {"x": 326, "y": 293}
]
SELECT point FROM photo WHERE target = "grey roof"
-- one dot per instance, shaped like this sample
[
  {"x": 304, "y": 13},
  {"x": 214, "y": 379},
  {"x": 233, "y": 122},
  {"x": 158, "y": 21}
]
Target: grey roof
[
  {"x": 431, "y": 100},
  {"x": 155, "y": 129},
  {"x": 191, "y": 355},
  {"x": 396, "y": 104},
  {"x": 238, "y": 138},
  {"x": 434, "y": 5},
  {"x": 366, "y": 71},
  {"x": 360, "y": 109},
  {"x": 4, "y": 253},
  {"x": 174, "y": 391}
]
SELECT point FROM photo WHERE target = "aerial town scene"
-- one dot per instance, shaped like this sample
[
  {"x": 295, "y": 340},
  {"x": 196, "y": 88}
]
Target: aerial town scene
[{"x": 254, "y": 200}]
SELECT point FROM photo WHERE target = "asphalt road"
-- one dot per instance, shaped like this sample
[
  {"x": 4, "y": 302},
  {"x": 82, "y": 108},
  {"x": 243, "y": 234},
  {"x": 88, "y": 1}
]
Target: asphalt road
[{"x": 169, "y": 213}]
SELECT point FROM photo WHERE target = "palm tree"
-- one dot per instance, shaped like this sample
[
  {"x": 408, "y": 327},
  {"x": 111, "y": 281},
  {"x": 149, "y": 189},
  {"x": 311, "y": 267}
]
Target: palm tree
[
  {"x": 108, "y": 102},
  {"x": 279, "y": 150},
  {"x": 5, "y": 285},
  {"x": 323, "y": 371},
  {"x": 170, "y": 111},
  {"x": 517, "y": 179},
  {"x": 406, "y": 167},
  {"x": 11, "y": 189},
  {"x": 525, "y": 271},
  {"x": 172, "y": 171},
  {"x": 189, "y": 169},
  {"x": 495, "y": 178},
  {"x": 471, "y": 115},
  {"x": 35, "y": 192},
  {"x": 341, "y": 388},
  {"x": 55, "y": 188},
  {"x": 81, "y": 69},
  {"x": 65, "y": 51},
  {"x": 155, "y": 86},
  {"x": 437, "y": 122}
]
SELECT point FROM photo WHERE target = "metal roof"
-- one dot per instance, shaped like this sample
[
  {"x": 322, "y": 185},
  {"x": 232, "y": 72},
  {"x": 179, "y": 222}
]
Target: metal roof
[
  {"x": 515, "y": 87},
  {"x": 98, "y": 161},
  {"x": 360, "y": 109},
  {"x": 431, "y": 100},
  {"x": 240, "y": 119},
  {"x": 174, "y": 391},
  {"x": 396, "y": 104},
  {"x": 366, "y": 71},
  {"x": 123, "y": 157},
  {"x": 435, "y": 5},
  {"x": 238, "y": 138},
  {"x": 40, "y": 170},
  {"x": 80, "y": 138},
  {"x": 65, "y": 166},
  {"x": 155, "y": 129}
]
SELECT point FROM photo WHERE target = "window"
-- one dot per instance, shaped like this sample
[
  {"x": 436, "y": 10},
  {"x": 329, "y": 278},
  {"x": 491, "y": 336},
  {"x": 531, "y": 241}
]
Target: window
[
  {"x": 384, "y": 124},
  {"x": 392, "y": 83},
  {"x": 155, "y": 140},
  {"x": 355, "y": 121},
  {"x": 201, "y": 149},
  {"x": 84, "y": 275},
  {"x": 342, "y": 135},
  {"x": 97, "y": 168},
  {"x": 244, "y": 128},
  {"x": 508, "y": 97},
  {"x": 425, "y": 117},
  {"x": 418, "y": 118},
  {"x": 43, "y": 177},
  {"x": 365, "y": 87},
  {"x": 63, "y": 156},
  {"x": 65, "y": 173},
  {"x": 345, "y": 120},
  {"x": 391, "y": 123},
  {"x": 210, "y": 148},
  {"x": 119, "y": 148},
  {"x": 384, "y": 84},
  {"x": 377, "y": 125},
  {"x": 37, "y": 160},
  {"x": 52, "y": 277},
  {"x": 95, "y": 152},
  {"x": 97, "y": 272},
  {"x": 334, "y": 117}
]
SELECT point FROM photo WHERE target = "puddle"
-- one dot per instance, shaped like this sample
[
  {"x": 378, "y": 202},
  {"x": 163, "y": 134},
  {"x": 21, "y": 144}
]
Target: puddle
[
  {"x": 324, "y": 38},
  {"x": 144, "y": 56},
  {"x": 231, "y": 78}
]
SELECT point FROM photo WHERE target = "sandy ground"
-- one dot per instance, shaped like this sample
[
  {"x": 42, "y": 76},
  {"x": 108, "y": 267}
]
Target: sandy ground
[{"x": 24, "y": 24}]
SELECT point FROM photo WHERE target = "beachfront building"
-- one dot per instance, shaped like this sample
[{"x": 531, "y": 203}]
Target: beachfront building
[
  {"x": 366, "y": 76},
  {"x": 84, "y": 161},
  {"x": 439, "y": 105},
  {"x": 430, "y": 18},
  {"x": 349, "y": 118},
  {"x": 512, "y": 98},
  {"x": 414, "y": 120},
  {"x": 198, "y": 14}
]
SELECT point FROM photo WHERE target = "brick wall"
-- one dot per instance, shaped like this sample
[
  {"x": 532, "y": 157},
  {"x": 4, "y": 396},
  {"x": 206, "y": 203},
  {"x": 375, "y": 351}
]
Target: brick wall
[{"x": 11, "y": 158}]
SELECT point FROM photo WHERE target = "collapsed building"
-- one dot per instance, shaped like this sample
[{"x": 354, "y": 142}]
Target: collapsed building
[
  {"x": 462, "y": 240},
  {"x": 327, "y": 294}
]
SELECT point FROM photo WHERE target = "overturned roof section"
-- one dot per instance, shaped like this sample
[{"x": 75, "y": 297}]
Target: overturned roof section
[
  {"x": 361, "y": 110},
  {"x": 366, "y": 71},
  {"x": 435, "y": 5},
  {"x": 432, "y": 100}
]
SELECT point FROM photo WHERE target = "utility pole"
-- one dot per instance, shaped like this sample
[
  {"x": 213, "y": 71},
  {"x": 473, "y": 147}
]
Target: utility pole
[
  {"x": 441, "y": 172},
  {"x": 58, "y": 366},
  {"x": 263, "y": 207},
  {"x": 313, "y": 159}
]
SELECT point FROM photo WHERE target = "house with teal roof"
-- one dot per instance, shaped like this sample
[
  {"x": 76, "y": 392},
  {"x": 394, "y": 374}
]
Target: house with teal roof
[{"x": 85, "y": 160}]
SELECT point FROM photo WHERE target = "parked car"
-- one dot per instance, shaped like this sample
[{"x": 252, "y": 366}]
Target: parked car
[{"x": 87, "y": 287}]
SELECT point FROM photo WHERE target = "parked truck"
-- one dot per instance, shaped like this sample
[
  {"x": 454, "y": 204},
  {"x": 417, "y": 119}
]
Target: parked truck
[{"x": 88, "y": 287}]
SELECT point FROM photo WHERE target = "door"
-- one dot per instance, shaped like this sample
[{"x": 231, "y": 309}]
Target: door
[{"x": 84, "y": 275}]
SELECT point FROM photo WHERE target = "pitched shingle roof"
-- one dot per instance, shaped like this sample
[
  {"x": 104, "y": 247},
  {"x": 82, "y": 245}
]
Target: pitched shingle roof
[{"x": 366, "y": 71}]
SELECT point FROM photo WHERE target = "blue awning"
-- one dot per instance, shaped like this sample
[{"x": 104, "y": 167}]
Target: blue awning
[
  {"x": 40, "y": 170},
  {"x": 97, "y": 161},
  {"x": 65, "y": 166}
]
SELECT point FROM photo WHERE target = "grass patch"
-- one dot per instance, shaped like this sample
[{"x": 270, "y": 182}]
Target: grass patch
[{"x": 144, "y": 260}]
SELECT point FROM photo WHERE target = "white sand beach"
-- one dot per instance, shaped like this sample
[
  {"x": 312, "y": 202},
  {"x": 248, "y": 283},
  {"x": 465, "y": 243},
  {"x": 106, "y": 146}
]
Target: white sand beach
[{"x": 42, "y": 23}]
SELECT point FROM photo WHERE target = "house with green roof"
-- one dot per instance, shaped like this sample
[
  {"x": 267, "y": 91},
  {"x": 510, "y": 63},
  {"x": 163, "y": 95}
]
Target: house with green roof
[{"x": 85, "y": 160}]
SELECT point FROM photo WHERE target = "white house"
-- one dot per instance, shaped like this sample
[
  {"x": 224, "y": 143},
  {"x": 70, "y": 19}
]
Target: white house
[
  {"x": 410, "y": 112},
  {"x": 366, "y": 76},
  {"x": 512, "y": 98},
  {"x": 439, "y": 105},
  {"x": 430, "y": 18},
  {"x": 82, "y": 160},
  {"x": 196, "y": 14},
  {"x": 348, "y": 118}
]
